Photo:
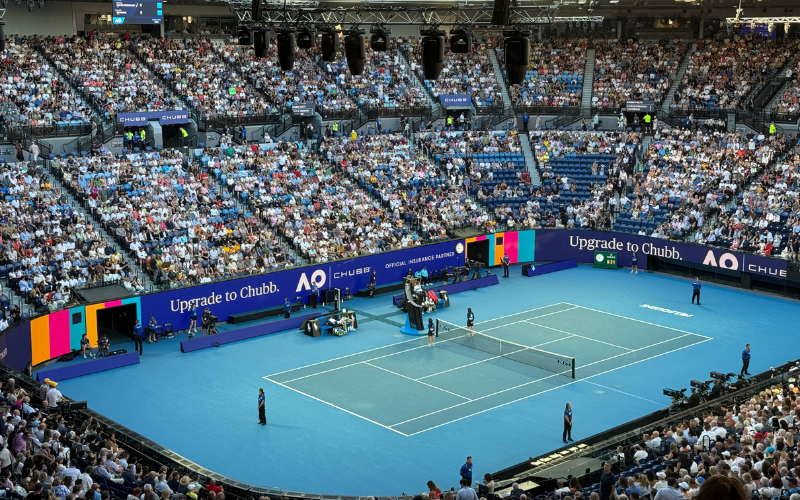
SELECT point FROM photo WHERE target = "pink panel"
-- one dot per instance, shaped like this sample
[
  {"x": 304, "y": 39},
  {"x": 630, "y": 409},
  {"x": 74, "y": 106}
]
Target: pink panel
[
  {"x": 511, "y": 245},
  {"x": 113, "y": 303},
  {"x": 59, "y": 333}
]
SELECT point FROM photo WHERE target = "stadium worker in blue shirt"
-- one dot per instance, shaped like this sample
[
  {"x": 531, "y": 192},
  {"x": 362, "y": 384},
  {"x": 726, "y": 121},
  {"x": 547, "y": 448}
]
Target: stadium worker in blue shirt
[
  {"x": 745, "y": 360},
  {"x": 287, "y": 308},
  {"x": 568, "y": 423},
  {"x": 506, "y": 262},
  {"x": 262, "y": 415},
  {"x": 138, "y": 337},
  {"x": 696, "y": 290},
  {"x": 466, "y": 471}
]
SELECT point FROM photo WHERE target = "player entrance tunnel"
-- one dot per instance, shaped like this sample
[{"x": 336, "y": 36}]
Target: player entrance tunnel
[
  {"x": 479, "y": 251},
  {"x": 116, "y": 322}
]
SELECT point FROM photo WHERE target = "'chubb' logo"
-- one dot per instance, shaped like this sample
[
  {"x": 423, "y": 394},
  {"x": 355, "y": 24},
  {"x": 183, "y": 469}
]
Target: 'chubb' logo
[
  {"x": 725, "y": 261},
  {"x": 318, "y": 278}
]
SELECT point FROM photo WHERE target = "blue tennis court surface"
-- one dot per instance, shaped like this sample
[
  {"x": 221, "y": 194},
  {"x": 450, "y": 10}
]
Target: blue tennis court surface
[{"x": 411, "y": 388}]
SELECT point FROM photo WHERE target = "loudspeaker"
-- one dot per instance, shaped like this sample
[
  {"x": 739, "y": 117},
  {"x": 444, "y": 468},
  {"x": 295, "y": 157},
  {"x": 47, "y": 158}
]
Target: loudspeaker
[
  {"x": 461, "y": 44},
  {"x": 501, "y": 12},
  {"x": 3, "y": 37},
  {"x": 261, "y": 43},
  {"x": 525, "y": 269},
  {"x": 256, "y": 10},
  {"x": 518, "y": 52},
  {"x": 432, "y": 56},
  {"x": 117, "y": 352},
  {"x": 305, "y": 39},
  {"x": 245, "y": 37},
  {"x": 67, "y": 357},
  {"x": 379, "y": 42},
  {"x": 746, "y": 280},
  {"x": 286, "y": 50},
  {"x": 330, "y": 46},
  {"x": 355, "y": 52}
]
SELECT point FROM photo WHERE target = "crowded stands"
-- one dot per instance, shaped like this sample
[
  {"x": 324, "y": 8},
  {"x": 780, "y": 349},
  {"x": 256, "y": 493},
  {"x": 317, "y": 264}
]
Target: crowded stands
[
  {"x": 722, "y": 73},
  {"x": 200, "y": 75},
  {"x": 109, "y": 74},
  {"x": 470, "y": 73},
  {"x": 554, "y": 76},
  {"x": 634, "y": 69},
  {"x": 42, "y": 98},
  {"x": 789, "y": 103}
]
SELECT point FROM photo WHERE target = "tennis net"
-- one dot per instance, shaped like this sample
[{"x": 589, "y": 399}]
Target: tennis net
[{"x": 546, "y": 360}]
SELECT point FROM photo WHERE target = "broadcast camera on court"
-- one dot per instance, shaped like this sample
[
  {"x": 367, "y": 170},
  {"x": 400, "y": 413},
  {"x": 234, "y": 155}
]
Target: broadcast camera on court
[
  {"x": 210, "y": 322},
  {"x": 678, "y": 396}
]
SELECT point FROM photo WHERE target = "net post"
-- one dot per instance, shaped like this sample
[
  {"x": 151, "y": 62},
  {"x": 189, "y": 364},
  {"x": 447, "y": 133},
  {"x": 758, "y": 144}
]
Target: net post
[
  {"x": 573, "y": 367},
  {"x": 437, "y": 327}
]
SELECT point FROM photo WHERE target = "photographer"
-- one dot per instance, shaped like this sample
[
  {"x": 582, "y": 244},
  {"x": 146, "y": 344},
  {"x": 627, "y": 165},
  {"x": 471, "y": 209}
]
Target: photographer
[{"x": 209, "y": 323}]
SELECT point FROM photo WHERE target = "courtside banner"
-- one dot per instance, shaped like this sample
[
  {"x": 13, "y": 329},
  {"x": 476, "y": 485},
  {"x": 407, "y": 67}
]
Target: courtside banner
[
  {"x": 262, "y": 291},
  {"x": 555, "y": 244}
]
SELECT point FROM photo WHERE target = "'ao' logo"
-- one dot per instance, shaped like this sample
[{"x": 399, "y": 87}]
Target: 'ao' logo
[
  {"x": 318, "y": 278},
  {"x": 726, "y": 261}
]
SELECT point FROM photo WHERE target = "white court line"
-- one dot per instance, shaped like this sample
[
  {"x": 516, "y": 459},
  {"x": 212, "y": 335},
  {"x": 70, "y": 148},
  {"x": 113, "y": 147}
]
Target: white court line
[
  {"x": 623, "y": 392},
  {"x": 410, "y": 340},
  {"x": 581, "y": 336},
  {"x": 525, "y": 312},
  {"x": 489, "y": 359},
  {"x": 545, "y": 378},
  {"x": 525, "y": 320},
  {"x": 338, "y": 407},
  {"x": 640, "y": 321},
  {"x": 390, "y": 354},
  {"x": 417, "y": 381},
  {"x": 564, "y": 385}
]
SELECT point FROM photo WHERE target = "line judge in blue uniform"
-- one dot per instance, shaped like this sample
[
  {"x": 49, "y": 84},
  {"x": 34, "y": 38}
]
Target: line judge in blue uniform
[
  {"x": 506, "y": 262},
  {"x": 696, "y": 290},
  {"x": 262, "y": 415},
  {"x": 745, "y": 361},
  {"x": 287, "y": 308},
  {"x": 568, "y": 423}
]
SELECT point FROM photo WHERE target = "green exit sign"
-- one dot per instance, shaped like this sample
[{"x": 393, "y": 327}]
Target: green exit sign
[{"x": 605, "y": 260}]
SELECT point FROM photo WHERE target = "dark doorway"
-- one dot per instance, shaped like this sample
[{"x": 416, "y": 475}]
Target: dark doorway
[
  {"x": 117, "y": 323},
  {"x": 479, "y": 252}
]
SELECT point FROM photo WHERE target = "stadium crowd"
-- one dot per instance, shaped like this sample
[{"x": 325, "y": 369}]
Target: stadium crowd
[
  {"x": 789, "y": 102},
  {"x": 41, "y": 97},
  {"x": 634, "y": 69},
  {"x": 108, "y": 73},
  {"x": 722, "y": 73},
  {"x": 554, "y": 76}
]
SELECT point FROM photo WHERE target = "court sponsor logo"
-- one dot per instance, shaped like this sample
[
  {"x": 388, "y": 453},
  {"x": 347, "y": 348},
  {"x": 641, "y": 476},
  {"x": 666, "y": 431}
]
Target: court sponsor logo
[
  {"x": 665, "y": 310},
  {"x": 664, "y": 250},
  {"x": 3, "y": 354},
  {"x": 318, "y": 278},
  {"x": 730, "y": 261}
]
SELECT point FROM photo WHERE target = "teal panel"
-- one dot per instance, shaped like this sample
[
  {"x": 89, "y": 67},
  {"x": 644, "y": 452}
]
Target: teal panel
[
  {"x": 527, "y": 246},
  {"x": 77, "y": 330},
  {"x": 138, "y": 302}
]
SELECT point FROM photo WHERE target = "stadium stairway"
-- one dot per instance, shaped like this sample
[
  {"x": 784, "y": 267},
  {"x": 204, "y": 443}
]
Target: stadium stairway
[
  {"x": 501, "y": 82},
  {"x": 434, "y": 103},
  {"x": 679, "y": 75},
  {"x": 530, "y": 161},
  {"x": 132, "y": 264},
  {"x": 779, "y": 94},
  {"x": 588, "y": 80}
]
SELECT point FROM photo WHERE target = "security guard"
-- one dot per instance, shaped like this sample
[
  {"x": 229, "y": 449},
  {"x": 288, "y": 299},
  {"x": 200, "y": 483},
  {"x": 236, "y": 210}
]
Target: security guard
[
  {"x": 335, "y": 128},
  {"x": 567, "y": 423},
  {"x": 525, "y": 119},
  {"x": 287, "y": 308},
  {"x": 138, "y": 337},
  {"x": 314, "y": 297},
  {"x": 142, "y": 136},
  {"x": 619, "y": 122},
  {"x": 772, "y": 128},
  {"x": 378, "y": 124},
  {"x": 185, "y": 136},
  {"x": 647, "y": 120},
  {"x": 449, "y": 121},
  {"x": 129, "y": 140},
  {"x": 136, "y": 139}
]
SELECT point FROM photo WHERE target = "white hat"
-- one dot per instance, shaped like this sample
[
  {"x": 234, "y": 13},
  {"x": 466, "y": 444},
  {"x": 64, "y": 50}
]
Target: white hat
[
  {"x": 661, "y": 475},
  {"x": 684, "y": 485}
]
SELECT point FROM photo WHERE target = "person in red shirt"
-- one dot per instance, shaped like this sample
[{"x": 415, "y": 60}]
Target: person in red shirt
[{"x": 212, "y": 486}]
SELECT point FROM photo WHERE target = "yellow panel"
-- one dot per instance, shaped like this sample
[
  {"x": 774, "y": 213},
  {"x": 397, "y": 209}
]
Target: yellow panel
[{"x": 91, "y": 322}]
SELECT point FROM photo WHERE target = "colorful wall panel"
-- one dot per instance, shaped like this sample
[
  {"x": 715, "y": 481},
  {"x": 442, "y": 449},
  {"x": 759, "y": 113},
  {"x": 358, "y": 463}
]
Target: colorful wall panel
[{"x": 519, "y": 245}]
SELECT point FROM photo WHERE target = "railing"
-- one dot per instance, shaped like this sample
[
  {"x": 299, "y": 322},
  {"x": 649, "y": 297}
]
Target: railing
[
  {"x": 51, "y": 130},
  {"x": 205, "y": 122},
  {"x": 700, "y": 112},
  {"x": 549, "y": 110},
  {"x": 493, "y": 109},
  {"x": 775, "y": 116},
  {"x": 337, "y": 114},
  {"x": 385, "y": 112}
]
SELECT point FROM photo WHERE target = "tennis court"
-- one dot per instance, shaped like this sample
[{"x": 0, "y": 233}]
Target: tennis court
[{"x": 411, "y": 388}]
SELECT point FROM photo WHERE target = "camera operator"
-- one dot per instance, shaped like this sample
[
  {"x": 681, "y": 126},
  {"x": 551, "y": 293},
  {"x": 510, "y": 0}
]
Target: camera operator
[
  {"x": 716, "y": 391},
  {"x": 694, "y": 399},
  {"x": 209, "y": 320}
]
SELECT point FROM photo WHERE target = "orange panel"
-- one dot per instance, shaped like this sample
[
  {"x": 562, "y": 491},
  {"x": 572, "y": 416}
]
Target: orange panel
[
  {"x": 91, "y": 322},
  {"x": 40, "y": 340}
]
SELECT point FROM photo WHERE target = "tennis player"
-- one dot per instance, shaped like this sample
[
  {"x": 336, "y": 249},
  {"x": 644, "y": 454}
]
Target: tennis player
[
  {"x": 470, "y": 320},
  {"x": 431, "y": 331}
]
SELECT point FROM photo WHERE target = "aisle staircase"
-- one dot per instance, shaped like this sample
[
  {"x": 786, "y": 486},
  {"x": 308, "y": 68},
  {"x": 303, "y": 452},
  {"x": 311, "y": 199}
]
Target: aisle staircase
[
  {"x": 588, "y": 81},
  {"x": 679, "y": 76},
  {"x": 530, "y": 160},
  {"x": 501, "y": 82}
]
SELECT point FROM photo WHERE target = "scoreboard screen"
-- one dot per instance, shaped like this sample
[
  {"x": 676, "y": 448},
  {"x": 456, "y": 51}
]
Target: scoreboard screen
[{"x": 137, "y": 12}]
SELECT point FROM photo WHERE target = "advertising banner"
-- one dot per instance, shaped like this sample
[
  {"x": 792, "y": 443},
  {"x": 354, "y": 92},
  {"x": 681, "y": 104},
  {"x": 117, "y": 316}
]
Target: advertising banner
[
  {"x": 163, "y": 117},
  {"x": 553, "y": 244},
  {"x": 270, "y": 290},
  {"x": 449, "y": 100},
  {"x": 605, "y": 260}
]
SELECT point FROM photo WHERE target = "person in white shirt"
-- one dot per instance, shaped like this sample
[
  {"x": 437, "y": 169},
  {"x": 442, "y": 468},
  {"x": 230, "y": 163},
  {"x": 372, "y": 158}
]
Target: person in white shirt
[{"x": 640, "y": 454}]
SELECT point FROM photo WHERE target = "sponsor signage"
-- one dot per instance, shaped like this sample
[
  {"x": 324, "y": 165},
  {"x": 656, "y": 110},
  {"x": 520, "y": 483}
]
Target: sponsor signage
[
  {"x": 459, "y": 100},
  {"x": 163, "y": 117},
  {"x": 552, "y": 245},
  {"x": 270, "y": 290}
]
